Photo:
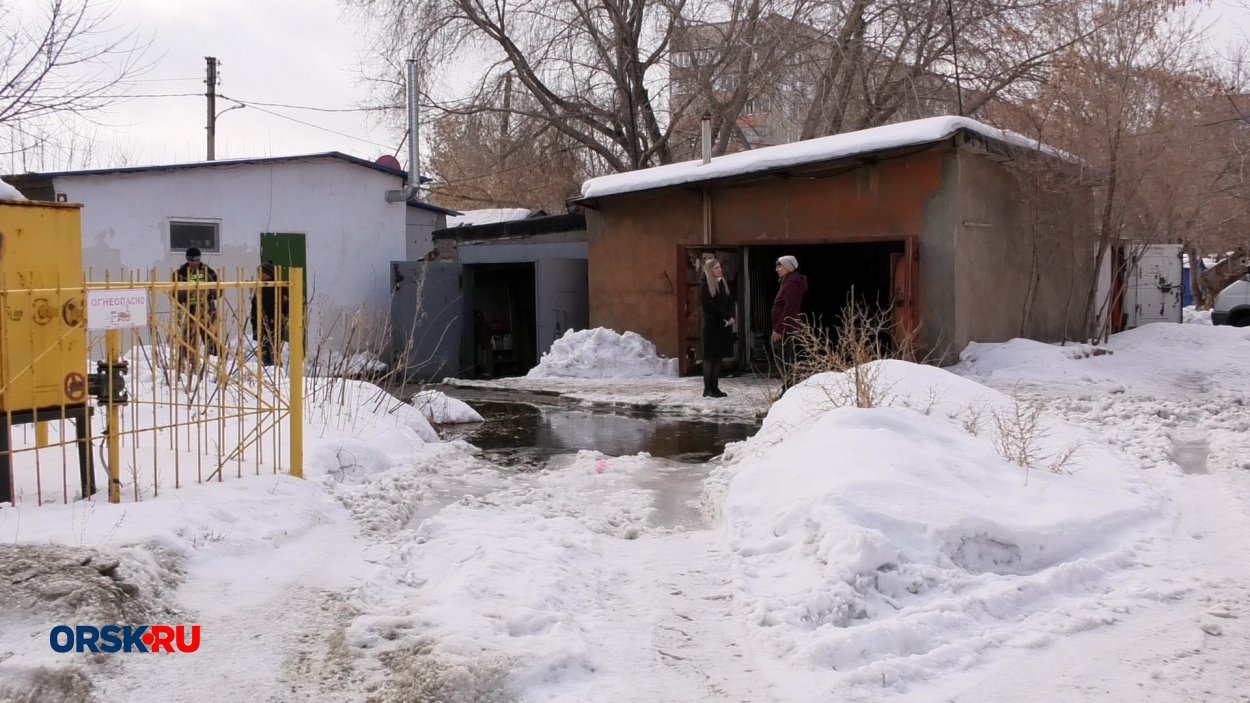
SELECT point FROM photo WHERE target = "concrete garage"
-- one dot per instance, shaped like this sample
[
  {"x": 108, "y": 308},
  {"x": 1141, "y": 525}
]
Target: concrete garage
[{"x": 923, "y": 218}]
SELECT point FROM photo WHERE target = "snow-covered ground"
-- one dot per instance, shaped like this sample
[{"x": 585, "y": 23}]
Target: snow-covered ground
[{"x": 1038, "y": 523}]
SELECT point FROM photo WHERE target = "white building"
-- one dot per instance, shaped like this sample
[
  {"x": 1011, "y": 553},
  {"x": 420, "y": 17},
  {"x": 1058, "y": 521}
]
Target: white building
[{"x": 327, "y": 212}]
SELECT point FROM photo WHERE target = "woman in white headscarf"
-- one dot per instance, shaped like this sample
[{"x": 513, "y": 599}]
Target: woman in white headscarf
[{"x": 786, "y": 316}]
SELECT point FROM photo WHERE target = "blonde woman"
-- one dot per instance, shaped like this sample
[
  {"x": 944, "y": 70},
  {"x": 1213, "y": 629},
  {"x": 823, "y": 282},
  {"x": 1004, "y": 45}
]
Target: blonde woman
[{"x": 719, "y": 323}]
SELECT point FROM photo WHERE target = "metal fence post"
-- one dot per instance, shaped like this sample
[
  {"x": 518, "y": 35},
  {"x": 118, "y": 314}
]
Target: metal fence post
[
  {"x": 113, "y": 351},
  {"x": 296, "y": 371}
]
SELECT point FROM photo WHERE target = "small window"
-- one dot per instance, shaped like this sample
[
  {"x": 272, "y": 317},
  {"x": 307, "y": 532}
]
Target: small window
[{"x": 203, "y": 235}]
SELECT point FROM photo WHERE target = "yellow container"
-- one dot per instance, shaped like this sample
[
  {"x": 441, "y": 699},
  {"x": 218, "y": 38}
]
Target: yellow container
[{"x": 43, "y": 330}]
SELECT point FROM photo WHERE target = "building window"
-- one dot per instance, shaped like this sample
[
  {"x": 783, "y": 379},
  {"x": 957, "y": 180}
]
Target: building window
[{"x": 184, "y": 234}]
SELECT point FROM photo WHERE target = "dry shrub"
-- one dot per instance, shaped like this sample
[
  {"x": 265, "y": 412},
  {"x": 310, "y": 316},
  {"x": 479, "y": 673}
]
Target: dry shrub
[
  {"x": 1020, "y": 438},
  {"x": 866, "y": 334}
]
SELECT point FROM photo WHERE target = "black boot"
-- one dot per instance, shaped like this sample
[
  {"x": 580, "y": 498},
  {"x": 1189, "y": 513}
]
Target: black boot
[{"x": 712, "y": 380}]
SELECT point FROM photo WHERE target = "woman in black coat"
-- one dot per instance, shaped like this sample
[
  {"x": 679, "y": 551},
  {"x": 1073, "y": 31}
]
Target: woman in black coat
[{"x": 719, "y": 325}]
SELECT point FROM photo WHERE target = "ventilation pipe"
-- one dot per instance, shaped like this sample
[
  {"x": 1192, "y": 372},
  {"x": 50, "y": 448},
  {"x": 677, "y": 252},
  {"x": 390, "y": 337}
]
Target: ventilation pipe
[
  {"x": 707, "y": 138},
  {"x": 707, "y": 195},
  {"x": 409, "y": 193}
]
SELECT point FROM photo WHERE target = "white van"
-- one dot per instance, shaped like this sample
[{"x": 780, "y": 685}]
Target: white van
[{"x": 1232, "y": 307}]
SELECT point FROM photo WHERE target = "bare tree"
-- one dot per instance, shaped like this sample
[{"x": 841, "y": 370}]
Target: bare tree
[
  {"x": 1127, "y": 99},
  {"x": 626, "y": 80},
  {"x": 65, "y": 58},
  {"x": 486, "y": 159}
]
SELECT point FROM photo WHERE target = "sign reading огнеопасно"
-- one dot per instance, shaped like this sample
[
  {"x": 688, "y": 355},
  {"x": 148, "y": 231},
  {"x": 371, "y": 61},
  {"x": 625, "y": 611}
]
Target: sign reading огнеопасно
[{"x": 117, "y": 309}]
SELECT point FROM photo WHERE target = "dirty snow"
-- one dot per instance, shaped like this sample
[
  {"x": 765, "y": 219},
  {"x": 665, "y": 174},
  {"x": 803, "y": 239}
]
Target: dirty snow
[
  {"x": 440, "y": 408},
  {"x": 602, "y": 353},
  {"x": 875, "y": 554},
  {"x": 1193, "y": 316},
  {"x": 488, "y": 216}
]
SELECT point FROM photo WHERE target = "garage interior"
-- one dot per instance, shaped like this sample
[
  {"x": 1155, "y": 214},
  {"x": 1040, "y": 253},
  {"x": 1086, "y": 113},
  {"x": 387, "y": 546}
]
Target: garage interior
[
  {"x": 834, "y": 273},
  {"x": 502, "y": 336}
]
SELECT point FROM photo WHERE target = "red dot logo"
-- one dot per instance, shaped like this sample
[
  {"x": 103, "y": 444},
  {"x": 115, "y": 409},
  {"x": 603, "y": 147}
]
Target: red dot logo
[{"x": 149, "y": 639}]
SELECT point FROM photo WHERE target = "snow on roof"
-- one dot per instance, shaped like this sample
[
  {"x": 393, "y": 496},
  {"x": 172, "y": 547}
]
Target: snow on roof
[
  {"x": 8, "y": 192},
  {"x": 223, "y": 163},
  {"x": 488, "y": 216},
  {"x": 892, "y": 136}
]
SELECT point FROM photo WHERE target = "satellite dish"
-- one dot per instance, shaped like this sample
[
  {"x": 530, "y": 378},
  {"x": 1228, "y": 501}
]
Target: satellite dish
[{"x": 388, "y": 161}]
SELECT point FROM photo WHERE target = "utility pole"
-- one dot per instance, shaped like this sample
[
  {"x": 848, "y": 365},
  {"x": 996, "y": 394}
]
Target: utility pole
[{"x": 211, "y": 94}]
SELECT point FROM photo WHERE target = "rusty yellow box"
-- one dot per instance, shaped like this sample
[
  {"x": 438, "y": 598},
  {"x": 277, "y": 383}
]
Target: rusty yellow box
[{"x": 43, "y": 333}]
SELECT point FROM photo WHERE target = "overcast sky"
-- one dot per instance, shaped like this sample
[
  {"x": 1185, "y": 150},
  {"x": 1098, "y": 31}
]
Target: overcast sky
[{"x": 294, "y": 52}]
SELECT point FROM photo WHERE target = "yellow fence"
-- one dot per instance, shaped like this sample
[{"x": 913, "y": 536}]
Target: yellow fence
[{"x": 181, "y": 382}]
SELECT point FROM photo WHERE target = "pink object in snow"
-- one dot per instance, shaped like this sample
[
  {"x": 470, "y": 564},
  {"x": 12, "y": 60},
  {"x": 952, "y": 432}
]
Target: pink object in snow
[{"x": 601, "y": 466}]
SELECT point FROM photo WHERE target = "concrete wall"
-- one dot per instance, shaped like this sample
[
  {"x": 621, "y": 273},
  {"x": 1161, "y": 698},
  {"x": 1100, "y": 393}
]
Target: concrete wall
[
  {"x": 1003, "y": 249},
  {"x": 516, "y": 252},
  {"x": 636, "y": 239},
  {"x": 419, "y": 232},
  {"x": 352, "y": 233},
  {"x": 938, "y": 254}
]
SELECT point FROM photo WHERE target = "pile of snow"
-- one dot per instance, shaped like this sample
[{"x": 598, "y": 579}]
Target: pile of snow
[
  {"x": 252, "y": 534},
  {"x": 1194, "y": 316},
  {"x": 1159, "y": 358},
  {"x": 440, "y": 408},
  {"x": 602, "y": 353},
  {"x": 8, "y": 192},
  {"x": 895, "y": 543},
  {"x": 326, "y": 362},
  {"x": 488, "y": 216},
  {"x": 1018, "y": 356}
]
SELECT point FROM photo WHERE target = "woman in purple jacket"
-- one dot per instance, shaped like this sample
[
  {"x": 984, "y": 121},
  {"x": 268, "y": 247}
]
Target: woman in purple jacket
[{"x": 787, "y": 307}]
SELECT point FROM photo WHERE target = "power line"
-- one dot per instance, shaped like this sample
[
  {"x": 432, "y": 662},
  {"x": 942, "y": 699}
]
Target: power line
[
  {"x": 149, "y": 95},
  {"x": 316, "y": 109},
  {"x": 165, "y": 80},
  {"x": 307, "y": 124}
]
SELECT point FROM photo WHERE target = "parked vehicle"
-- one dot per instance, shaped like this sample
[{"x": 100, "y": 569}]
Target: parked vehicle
[{"x": 1232, "y": 307}]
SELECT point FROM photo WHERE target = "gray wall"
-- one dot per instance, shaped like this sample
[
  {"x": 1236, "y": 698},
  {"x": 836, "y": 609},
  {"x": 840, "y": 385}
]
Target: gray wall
[
  {"x": 508, "y": 253},
  {"x": 938, "y": 253},
  {"x": 1002, "y": 248}
]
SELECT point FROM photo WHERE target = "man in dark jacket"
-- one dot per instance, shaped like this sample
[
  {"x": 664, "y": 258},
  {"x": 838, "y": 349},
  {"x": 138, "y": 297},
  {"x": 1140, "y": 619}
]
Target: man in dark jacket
[
  {"x": 199, "y": 306},
  {"x": 269, "y": 311},
  {"x": 787, "y": 307}
]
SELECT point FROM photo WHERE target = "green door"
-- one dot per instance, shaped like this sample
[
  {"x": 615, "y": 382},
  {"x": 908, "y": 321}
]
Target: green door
[{"x": 286, "y": 251}]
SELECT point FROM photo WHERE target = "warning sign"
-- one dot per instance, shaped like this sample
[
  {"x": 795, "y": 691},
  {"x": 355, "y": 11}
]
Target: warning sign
[{"x": 117, "y": 309}]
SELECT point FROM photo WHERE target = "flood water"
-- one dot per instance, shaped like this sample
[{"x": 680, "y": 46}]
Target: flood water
[
  {"x": 1190, "y": 451},
  {"x": 524, "y": 434}
]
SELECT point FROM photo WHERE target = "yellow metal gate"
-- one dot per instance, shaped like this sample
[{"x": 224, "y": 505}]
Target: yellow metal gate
[{"x": 212, "y": 375}]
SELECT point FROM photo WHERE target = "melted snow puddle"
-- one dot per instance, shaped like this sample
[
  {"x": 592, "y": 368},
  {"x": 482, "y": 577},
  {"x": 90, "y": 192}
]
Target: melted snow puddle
[
  {"x": 523, "y": 437},
  {"x": 1190, "y": 451},
  {"x": 526, "y": 436}
]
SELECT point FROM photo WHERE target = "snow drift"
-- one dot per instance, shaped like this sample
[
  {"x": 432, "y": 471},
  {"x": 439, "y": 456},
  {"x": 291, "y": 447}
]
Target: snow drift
[{"x": 602, "y": 353}]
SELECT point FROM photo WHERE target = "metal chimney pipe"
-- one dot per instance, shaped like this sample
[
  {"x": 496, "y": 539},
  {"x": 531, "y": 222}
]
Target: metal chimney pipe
[
  {"x": 409, "y": 192},
  {"x": 414, "y": 124},
  {"x": 707, "y": 137}
]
